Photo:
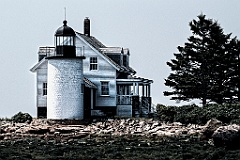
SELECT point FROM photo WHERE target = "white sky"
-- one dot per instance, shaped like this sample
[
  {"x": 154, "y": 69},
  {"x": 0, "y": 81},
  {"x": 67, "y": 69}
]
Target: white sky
[{"x": 151, "y": 29}]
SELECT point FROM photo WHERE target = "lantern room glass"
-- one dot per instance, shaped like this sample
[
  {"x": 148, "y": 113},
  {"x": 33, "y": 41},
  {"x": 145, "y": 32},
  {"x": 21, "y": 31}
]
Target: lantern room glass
[{"x": 65, "y": 40}]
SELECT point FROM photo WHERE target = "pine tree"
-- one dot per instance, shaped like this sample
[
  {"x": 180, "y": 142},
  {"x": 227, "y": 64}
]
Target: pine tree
[
  {"x": 205, "y": 67},
  {"x": 234, "y": 70}
]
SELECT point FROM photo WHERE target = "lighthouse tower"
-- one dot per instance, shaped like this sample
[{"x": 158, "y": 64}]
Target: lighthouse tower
[{"x": 65, "y": 77}]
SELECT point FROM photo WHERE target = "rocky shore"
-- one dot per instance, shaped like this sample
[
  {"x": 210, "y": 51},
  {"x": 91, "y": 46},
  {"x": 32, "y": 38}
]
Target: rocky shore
[
  {"x": 116, "y": 139},
  {"x": 49, "y": 130}
]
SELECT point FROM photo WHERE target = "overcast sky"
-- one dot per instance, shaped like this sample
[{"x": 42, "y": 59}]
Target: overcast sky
[{"x": 151, "y": 29}]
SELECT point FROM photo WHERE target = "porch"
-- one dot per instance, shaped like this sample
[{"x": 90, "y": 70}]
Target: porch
[{"x": 134, "y": 97}]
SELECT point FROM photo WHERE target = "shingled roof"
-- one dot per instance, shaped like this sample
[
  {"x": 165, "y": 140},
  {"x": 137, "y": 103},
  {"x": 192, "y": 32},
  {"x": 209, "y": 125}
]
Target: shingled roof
[
  {"x": 101, "y": 48},
  {"x": 92, "y": 41}
]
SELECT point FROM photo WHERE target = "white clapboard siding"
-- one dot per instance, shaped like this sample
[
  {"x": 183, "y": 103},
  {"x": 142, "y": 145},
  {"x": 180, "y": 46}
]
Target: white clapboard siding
[
  {"x": 41, "y": 78},
  {"x": 105, "y": 72}
]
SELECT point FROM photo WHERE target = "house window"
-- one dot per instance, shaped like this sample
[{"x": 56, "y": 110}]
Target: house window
[
  {"x": 82, "y": 88},
  {"x": 93, "y": 63},
  {"x": 44, "y": 88},
  {"x": 104, "y": 88}
]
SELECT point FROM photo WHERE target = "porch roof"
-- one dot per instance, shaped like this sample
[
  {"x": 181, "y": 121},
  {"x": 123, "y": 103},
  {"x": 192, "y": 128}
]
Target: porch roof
[
  {"x": 88, "y": 83},
  {"x": 134, "y": 79}
]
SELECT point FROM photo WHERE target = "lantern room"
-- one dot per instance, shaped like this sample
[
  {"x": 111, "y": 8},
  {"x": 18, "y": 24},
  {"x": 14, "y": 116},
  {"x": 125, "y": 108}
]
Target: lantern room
[{"x": 65, "y": 41}]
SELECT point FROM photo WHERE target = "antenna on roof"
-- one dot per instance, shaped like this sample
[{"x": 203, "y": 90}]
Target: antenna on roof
[{"x": 65, "y": 13}]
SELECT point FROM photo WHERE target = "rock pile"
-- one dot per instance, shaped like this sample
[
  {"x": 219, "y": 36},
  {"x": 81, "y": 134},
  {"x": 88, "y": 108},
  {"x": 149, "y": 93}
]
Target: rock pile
[{"x": 44, "y": 130}]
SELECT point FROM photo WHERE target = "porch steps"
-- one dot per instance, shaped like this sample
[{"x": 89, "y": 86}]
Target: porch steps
[{"x": 97, "y": 113}]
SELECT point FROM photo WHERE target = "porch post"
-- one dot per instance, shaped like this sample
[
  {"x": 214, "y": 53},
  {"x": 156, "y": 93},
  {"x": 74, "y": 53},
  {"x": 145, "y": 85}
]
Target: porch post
[
  {"x": 125, "y": 90},
  {"x": 142, "y": 90},
  {"x": 149, "y": 90},
  {"x": 91, "y": 98},
  {"x": 137, "y": 89},
  {"x": 134, "y": 89},
  {"x": 128, "y": 90},
  {"x": 145, "y": 90}
]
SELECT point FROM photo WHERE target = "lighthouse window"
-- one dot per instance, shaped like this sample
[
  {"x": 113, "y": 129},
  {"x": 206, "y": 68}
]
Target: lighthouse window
[
  {"x": 93, "y": 63},
  {"x": 44, "y": 88},
  {"x": 68, "y": 41},
  {"x": 104, "y": 88},
  {"x": 60, "y": 40},
  {"x": 65, "y": 40}
]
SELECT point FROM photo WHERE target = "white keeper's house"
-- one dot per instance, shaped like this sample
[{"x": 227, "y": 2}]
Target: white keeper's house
[{"x": 80, "y": 78}]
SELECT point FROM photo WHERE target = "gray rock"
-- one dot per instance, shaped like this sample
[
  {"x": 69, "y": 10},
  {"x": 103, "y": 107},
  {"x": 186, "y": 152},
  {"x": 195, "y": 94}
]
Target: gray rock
[
  {"x": 228, "y": 136},
  {"x": 210, "y": 127}
]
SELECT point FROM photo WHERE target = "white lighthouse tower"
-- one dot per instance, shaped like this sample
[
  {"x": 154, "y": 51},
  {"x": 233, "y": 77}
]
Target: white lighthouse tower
[{"x": 65, "y": 77}]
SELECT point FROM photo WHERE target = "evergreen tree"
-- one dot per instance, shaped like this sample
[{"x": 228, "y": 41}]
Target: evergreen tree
[
  {"x": 234, "y": 70},
  {"x": 205, "y": 67}
]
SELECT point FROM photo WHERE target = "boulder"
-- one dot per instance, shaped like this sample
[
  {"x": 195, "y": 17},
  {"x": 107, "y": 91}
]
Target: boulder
[
  {"x": 2, "y": 131},
  {"x": 38, "y": 130},
  {"x": 228, "y": 136},
  {"x": 210, "y": 127},
  {"x": 66, "y": 129}
]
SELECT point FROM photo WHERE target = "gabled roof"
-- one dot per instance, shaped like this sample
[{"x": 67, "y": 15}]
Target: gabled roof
[
  {"x": 43, "y": 51},
  {"x": 102, "y": 49},
  {"x": 97, "y": 45},
  {"x": 92, "y": 41},
  {"x": 34, "y": 68}
]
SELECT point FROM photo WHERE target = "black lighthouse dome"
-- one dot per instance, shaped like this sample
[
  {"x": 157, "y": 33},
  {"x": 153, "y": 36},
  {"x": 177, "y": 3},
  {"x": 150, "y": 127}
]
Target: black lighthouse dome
[
  {"x": 65, "y": 41},
  {"x": 65, "y": 30}
]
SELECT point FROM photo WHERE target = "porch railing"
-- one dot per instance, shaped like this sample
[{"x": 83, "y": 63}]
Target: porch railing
[
  {"x": 146, "y": 104},
  {"x": 140, "y": 105},
  {"x": 124, "y": 99}
]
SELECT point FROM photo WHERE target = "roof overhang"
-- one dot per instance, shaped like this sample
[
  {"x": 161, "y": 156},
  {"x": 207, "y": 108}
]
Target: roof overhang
[
  {"x": 89, "y": 83},
  {"x": 134, "y": 79},
  {"x": 39, "y": 64}
]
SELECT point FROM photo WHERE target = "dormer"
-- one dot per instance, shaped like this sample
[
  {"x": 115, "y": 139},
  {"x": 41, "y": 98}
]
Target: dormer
[{"x": 115, "y": 53}]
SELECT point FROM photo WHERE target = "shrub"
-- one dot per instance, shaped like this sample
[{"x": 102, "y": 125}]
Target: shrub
[
  {"x": 227, "y": 113},
  {"x": 188, "y": 114},
  {"x": 5, "y": 119},
  {"x": 22, "y": 118},
  {"x": 235, "y": 121},
  {"x": 166, "y": 113}
]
